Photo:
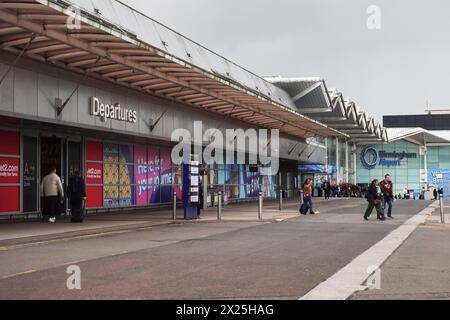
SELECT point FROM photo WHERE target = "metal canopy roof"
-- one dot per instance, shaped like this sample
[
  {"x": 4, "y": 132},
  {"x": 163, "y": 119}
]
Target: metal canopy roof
[
  {"x": 312, "y": 98},
  {"x": 120, "y": 45},
  {"x": 418, "y": 136},
  {"x": 310, "y": 95}
]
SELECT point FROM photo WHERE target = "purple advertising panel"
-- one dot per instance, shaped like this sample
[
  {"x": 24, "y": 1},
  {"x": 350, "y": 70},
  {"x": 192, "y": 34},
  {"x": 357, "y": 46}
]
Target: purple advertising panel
[
  {"x": 166, "y": 175},
  {"x": 154, "y": 165},
  {"x": 140, "y": 174}
]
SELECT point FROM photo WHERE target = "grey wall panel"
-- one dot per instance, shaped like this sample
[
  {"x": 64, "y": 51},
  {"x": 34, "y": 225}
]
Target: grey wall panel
[
  {"x": 178, "y": 118},
  {"x": 84, "y": 94},
  {"x": 168, "y": 125},
  {"x": 155, "y": 110},
  {"x": 47, "y": 93},
  {"x": 122, "y": 100},
  {"x": 70, "y": 112},
  {"x": 144, "y": 115},
  {"x": 25, "y": 92},
  {"x": 135, "y": 104},
  {"x": 104, "y": 97},
  {"x": 188, "y": 120},
  {"x": 7, "y": 89}
]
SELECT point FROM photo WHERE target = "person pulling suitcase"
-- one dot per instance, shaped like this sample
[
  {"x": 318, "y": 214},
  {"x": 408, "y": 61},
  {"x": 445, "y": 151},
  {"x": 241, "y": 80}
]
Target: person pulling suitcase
[{"x": 76, "y": 192}]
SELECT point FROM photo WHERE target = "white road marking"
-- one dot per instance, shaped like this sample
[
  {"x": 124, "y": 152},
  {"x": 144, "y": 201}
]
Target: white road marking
[
  {"x": 18, "y": 274},
  {"x": 351, "y": 278}
]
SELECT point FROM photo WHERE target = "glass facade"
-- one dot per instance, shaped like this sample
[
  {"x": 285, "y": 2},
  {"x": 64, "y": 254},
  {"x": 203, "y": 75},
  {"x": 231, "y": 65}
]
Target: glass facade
[
  {"x": 401, "y": 159},
  {"x": 239, "y": 182}
]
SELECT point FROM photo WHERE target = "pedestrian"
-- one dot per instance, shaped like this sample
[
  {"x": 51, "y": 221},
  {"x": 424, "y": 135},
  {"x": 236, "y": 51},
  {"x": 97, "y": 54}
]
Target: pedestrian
[
  {"x": 200, "y": 200},
  {"x": 435, "y": 194},
  {"x": 374, "y": 196},
  {"x": 405, "y": 193},
  {"x": 326, "y": 189},
  {"x": 76, "y": 192},
  {"x": 307, "y": 196},
  {"x": 52, "y": 192},
  {"x": 388, "y": 194}
]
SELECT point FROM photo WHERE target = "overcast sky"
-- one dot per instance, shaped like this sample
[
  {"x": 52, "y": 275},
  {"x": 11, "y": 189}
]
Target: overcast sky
[{"x": 393, "y": 70}]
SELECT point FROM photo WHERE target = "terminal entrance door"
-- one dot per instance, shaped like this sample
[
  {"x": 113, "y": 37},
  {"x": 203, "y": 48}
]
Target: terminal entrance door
[
  {"x": 51, "y": 153},
  {"x": 61, "y": 153},
  {"x": 51, "y": 156}
]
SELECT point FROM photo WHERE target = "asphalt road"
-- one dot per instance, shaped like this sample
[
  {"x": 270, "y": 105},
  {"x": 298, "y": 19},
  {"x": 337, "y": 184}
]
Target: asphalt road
[{"x": 281, "y": 260}]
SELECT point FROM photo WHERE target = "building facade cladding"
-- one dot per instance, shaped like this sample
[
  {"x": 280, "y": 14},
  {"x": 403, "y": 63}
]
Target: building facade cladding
[
  {"x": 124, "y": 162},
  {"x": 425, "y": 121}
]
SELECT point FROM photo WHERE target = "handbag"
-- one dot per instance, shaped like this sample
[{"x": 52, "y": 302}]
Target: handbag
[{"x": 376, "y": 201}]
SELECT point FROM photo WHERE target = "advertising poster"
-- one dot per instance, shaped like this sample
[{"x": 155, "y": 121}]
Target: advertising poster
[
  {"x": 9, "y": 143},
  {"x": 13, "y": 196},
  {"x": 126, "y": 175},
  {"x": 9, "y": 171},
  {"x": 30, "y": 187},
  {"x": 10, "y": 174},
  {"x": 166, "y": 175},
  {"x": 140, "y": 174},
  {"x": 111, "y": 175},
  {"x": 94, "y": 174},
  {"x": 94, "y": 151},
  {"x": 252, "y": 184},
  {"x": 440, "y": 178},
  {"x": 94, "y": 196},
  {"x": 154, "y": 165}
]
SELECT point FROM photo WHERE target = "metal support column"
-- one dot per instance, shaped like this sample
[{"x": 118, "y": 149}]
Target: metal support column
[
  {"x": 280, "y": 203},
  {"x": 219, "y": 207},
  {"x": 174, "y": 206},
  {"x": 260, "y": 205}
]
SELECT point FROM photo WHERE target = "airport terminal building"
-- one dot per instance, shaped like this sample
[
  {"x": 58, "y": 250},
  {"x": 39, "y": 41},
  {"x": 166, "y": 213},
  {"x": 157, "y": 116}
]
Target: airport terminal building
[{"x": 105, "y": 95}]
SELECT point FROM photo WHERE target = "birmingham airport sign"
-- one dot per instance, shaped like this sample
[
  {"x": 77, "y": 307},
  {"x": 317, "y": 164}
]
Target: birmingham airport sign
[
  {"x": 370, "y": 158},
  {"x": 112, "y": 111}
]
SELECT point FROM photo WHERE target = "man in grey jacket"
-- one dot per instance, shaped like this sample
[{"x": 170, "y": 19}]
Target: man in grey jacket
[{"x": 52, "y": 193}]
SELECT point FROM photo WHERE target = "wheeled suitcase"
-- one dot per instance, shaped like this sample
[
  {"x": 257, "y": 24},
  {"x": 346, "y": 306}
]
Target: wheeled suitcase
[{"x": 304, "y": 208}]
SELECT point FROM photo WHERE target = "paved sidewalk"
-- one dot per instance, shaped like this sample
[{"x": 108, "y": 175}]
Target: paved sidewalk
[
  {"x": 25, "y": 232},
  {"x": 420, "y": 268}
]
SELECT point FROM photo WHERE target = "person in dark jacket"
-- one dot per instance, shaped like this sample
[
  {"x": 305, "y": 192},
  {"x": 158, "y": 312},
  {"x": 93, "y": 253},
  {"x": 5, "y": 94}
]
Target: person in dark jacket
[
  {"x": 326, "y": 189},
  {"x": 388, "y": 194},
  {"x": 76, "y": 192},
  {"x": 374, "y": 196}
]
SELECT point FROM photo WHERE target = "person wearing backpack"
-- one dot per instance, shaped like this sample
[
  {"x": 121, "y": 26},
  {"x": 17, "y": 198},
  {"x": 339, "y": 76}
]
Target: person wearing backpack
[{"x": 76, "y": 192}]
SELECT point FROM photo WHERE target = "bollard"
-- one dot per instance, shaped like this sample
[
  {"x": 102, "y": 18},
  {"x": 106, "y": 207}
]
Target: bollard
[
  {"x": 174, "y": 206},
  {"x": 280, "y": 204},
  {"x": 219, "y": 208},
  {"x": 441, "y": 207},
  {"x": 260, "y": 205}
]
